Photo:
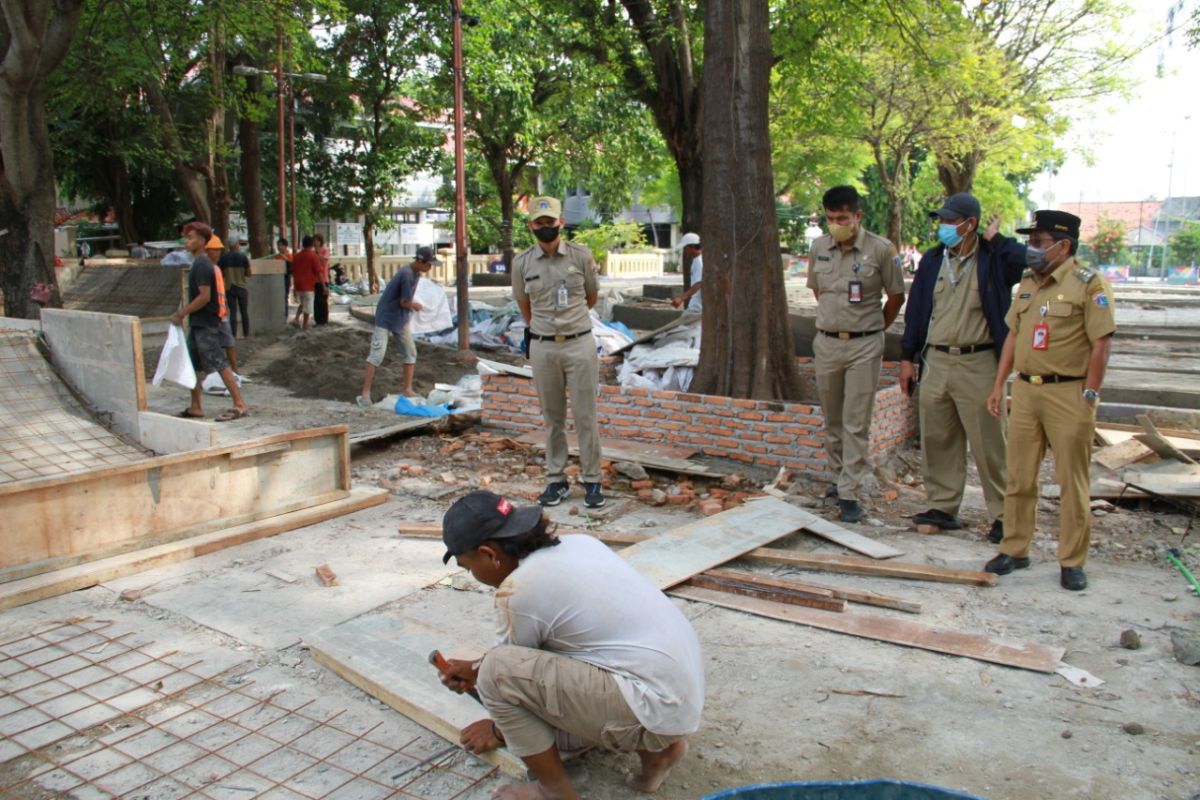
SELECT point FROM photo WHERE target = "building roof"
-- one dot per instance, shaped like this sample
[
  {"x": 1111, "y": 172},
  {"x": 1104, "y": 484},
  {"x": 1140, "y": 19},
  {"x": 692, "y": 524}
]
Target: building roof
[
  {"x": 1135, "y": 214},
  {"x": 1176, "y": 208}
]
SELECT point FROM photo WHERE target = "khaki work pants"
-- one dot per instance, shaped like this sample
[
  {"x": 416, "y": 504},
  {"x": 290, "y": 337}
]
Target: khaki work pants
[
  {"x": 847, "y": 379},
  {"x": 559, "y": 367},
  {"x": 1055, "y": 414},
  {"x": 953, "y": 409},
  {"x": 538, "y": 699}
]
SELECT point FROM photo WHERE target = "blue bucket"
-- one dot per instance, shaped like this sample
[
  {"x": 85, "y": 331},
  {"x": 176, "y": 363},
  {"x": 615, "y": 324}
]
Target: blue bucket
[{"x": 841, "y": 790}]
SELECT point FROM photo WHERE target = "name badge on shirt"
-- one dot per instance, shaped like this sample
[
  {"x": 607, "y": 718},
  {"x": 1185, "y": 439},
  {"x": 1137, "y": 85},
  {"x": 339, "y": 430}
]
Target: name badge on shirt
[
  {"x": 1041, "y": 336},
  {"x": 856, "y": 293}
]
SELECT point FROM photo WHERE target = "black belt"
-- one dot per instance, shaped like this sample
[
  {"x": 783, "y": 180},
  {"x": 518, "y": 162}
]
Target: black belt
[
  {"x": 1038, "y": 380},
  {"x": 558, "y": 337},
  {"x": 964, "y": 350},
  {"x": 849, "y": 334}
]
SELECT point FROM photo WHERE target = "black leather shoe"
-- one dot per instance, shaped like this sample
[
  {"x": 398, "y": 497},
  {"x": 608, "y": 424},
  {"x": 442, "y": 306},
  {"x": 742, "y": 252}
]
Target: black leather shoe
[
  {"x": 1073, "y": 579},
  {"x": 1004, "y": 564},
  {"x": 851, "y": 510},
  {"x": 946, "y": 522},
  {"x": 996, "y": 534}
]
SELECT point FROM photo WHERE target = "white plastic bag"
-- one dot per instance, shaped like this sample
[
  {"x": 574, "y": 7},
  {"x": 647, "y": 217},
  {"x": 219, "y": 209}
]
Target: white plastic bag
[{"x": 174, "y": 364}]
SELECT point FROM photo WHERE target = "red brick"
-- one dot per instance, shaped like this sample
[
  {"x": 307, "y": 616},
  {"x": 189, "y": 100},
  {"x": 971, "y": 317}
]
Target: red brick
[
  {"x": 777, "y": 439},
  {"x": 751, "y": 415},
  {"x": 679, "y": 499},
  {"x": 741, "y": 403},
  {"x": 715, "y": 400},
  {"x": 779, "y": 418},
  {"x": 645, "y": 494},
  {"x": 642, "y": 485},
  {"x": 710, "y": 507}
]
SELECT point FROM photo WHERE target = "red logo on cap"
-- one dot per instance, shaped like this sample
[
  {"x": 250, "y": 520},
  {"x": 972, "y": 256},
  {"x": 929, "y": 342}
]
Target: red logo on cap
[{"x": 504, "y": 507}]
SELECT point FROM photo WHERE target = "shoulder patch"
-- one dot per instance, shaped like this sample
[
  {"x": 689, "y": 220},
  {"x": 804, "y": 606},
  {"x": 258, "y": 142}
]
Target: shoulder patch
[
  {"x": 1101, "y": 300},
  {"x": 897, "y": 260},
  {"x": 1086, "y": 274}
]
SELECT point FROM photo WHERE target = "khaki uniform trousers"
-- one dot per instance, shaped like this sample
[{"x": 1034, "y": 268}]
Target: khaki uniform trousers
[
  {"x": 847, "y": 379},
  {"x": 557, "y": 367},
  {"x": 953, "y": 407},
  {"x": 1054, "y": 414},
  {"x": 540, "y": 699}
]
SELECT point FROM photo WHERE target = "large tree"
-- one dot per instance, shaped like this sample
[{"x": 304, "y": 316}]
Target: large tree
[
  {"x": 746, "y": 345},
  {"x": 34, "y": 38}
]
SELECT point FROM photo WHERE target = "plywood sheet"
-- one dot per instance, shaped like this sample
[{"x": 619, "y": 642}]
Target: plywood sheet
[
  {"x": 1036, "y": 657},
  {"x": 818, "y": 526},
  {"x": 635, "y": 448},
  {"x": 675, "y": 556},
  {"x": 1158, "y": 443},
  {"x": 1121, "y": 454},
  {"x": 387, "y": 657}
]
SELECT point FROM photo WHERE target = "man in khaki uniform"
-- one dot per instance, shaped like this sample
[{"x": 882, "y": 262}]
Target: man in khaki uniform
[
  {"x": 1060, "y": 327},
  {"x": 850, "y": 271},
  {"x": 554, "y": 284},
  {"x": 954, "y": 328}
]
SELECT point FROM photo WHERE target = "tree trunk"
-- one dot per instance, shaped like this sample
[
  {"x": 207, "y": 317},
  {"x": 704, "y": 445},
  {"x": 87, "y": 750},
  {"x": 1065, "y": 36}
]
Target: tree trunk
[
  {"x": 216, "y": 170},
  {"x": 192, "y": 184},
  {"x": 746, "y": 345},
  {"x": 34, "y": 38},
  {"x": 689, "y": 163},
  {"x": 369, "y": 244},
  {"x": 250, "y": 165},
  {"x": 957, "y": 172}
]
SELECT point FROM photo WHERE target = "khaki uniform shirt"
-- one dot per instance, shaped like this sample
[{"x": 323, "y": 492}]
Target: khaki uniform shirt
[
  {"x": 538, "y": 277},
  {"x": 1076, "y": 303},
  {"x": 957, "y": 318},
  {"x": 873, "y": 260}
]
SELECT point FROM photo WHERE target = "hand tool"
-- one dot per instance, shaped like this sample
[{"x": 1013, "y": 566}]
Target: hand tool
[
  {"x": 1173, "y": 557},
  {"x": 438, "y": 660}
]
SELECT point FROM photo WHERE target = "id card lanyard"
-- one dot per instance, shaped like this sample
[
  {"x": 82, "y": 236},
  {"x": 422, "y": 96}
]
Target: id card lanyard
[
  {"x": 1041, "y": 331},
  {"x": 856, "y": 286}
]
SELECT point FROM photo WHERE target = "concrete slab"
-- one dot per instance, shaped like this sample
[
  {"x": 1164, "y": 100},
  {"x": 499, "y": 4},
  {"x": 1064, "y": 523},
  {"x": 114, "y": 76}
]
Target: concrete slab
[{"x": 247, "y": 603}]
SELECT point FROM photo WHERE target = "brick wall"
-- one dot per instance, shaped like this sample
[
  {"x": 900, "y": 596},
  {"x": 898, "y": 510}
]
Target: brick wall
[{"x": 759, "y": 432}]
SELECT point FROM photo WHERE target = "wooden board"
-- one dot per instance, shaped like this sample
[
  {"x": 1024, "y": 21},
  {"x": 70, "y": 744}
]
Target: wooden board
[
  {"x": 620, "y": 451},
  {"x": 819, "y": 526},
  {"x": 387, "y": 657},
  {"x": 678, "y": 554},
  {"x": 852, "y": 595},
  {"x": 652, "y": 449},
  {"x": 1119, "y": 455},
  {"x": 756, "y": 587},
  {"x": 865, "y": 566},
  {"x": 1156, "y": 442},
  {"x": 408, "y": 424},
  {"x": 39, "y": 587},
  {"x": 1036, "y": 657},
  {"x": 1167, "y": 479}
]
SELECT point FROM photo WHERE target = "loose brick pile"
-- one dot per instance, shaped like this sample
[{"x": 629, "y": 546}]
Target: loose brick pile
[{"x": 761, "y": 433}]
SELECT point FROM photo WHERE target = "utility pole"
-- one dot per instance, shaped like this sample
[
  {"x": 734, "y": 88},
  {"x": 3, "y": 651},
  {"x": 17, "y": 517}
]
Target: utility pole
[{"x": 460, "y": 188}]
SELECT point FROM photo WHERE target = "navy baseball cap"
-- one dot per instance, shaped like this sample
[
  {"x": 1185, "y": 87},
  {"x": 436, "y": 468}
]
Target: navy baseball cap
[
  {"x": 483, "y": 515},
  {"x": 958, "y": 205},
  {"x": 426, "y": 254}
]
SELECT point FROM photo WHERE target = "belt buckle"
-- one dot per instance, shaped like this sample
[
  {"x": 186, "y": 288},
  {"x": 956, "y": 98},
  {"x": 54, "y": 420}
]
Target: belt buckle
[
  {"x": 843, "y": 335},
  {"x": 1036, "y": 380},
  {"x": 955, "y": 351},
  {"x": 559, "y": 338}
]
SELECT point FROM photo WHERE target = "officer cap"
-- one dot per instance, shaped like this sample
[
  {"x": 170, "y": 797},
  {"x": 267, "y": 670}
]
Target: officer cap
[
  {"x": 958, "y": 205},
  {"x": 1054, "y": 222},
  {"x": 545, "y": 207}
]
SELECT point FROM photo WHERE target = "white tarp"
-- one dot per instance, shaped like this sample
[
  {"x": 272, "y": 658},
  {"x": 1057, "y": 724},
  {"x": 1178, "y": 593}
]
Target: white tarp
[{"x": 435, "y": 308}]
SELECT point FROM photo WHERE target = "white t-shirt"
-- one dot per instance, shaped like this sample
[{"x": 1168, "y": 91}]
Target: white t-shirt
[
  {"x": 695, "y": 303},
  {"x": 582, "y": 600}
]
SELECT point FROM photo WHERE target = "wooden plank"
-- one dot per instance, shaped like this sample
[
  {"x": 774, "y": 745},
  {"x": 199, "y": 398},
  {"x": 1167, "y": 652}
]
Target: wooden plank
[
  {"x": 386, "y": 656},
  {"x": 538, "y": 439},
  {"x": 1167, "y": 479},
  {"x": 1156, "y": 442},
  {"x": 1031, "y": 656},
  {"x": 617, "y": 452},
  {"x": 865, "y": 566},
  {"x": 29, "y": 590},
  {"x": 507, "y": 369},
  {"x": 410, "y": 424},
  {"x": 139, "y": 366},
  {"x": 262, "y": 450},
  {"x": 780, "y": 595},
  {"x": 851, "y": 595},
  {"x": 680, "y": 553},
  {"x": 1122, "y": 454},
  {"x": 835, "y": 533}
]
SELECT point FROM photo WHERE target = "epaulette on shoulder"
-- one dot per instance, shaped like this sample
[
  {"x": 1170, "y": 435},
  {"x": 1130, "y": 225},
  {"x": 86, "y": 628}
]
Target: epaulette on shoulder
[
  {"x": 1086, "y": 274},
  {"x": 1027, "y": 274}
]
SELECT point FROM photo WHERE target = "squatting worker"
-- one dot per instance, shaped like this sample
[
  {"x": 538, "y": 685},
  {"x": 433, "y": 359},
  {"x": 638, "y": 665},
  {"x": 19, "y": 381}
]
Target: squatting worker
[
  {"x": 554, "y": 284},
  {"x": 1060, "y": 327},
  {"x": 954, "y": 328},
  {"x": 589, "y": 651},
  {"x": 393, "y": 314},
  {"x": 206, "y": 300},
  {"x": 850, "y": 271}
]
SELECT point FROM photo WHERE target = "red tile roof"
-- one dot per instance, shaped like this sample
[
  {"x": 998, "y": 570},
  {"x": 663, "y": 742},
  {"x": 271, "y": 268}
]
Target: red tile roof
[{"x": 1133, "y": 214}]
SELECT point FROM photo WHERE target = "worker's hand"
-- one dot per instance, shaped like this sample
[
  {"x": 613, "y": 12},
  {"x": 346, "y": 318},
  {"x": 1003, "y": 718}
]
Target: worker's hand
[
  {"x": 677, "y": 302},
  {"x": 993, "y": 227},
  {"x": 459, "y": 676},
  {"x": 908, "y": 377},
  {"x": 480, "y": 737},
  {"x": 993, "y": 402},
  {"x": 415, "y": 306},
  {"x": 177, "y": 319}
]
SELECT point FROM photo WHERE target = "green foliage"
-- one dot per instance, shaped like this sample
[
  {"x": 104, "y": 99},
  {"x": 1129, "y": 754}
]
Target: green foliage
[
  {"x": 1184, "y": 244},
  {"x": 601, "y": 239},
  {"x": 1108, "y": 243}
]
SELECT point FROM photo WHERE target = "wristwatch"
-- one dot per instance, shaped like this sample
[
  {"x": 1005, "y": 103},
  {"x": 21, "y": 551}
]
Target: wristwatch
[{"x": 1091, "y": 395}]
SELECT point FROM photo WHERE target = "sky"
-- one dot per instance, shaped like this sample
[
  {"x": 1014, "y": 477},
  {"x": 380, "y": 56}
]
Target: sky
[{"x": 1132, "y": 141}]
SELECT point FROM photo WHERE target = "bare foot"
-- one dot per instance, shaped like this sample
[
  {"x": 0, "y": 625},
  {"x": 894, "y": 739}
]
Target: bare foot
[
  {"x": 656, "y": 767},
  {"x": 524, "y": 791}
]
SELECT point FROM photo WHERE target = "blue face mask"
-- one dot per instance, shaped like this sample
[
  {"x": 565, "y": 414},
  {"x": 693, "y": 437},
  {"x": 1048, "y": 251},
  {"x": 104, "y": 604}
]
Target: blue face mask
[{"x": 948, "y": 234}]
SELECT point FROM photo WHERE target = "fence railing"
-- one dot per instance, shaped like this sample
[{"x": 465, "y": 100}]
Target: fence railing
[
  {"x": 615, "y": 265},
  {"x": 632, "y": 265}
]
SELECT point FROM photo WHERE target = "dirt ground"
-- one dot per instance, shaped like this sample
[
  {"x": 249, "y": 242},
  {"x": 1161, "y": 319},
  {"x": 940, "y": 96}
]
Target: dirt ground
[{"x": 784, "y": 702}]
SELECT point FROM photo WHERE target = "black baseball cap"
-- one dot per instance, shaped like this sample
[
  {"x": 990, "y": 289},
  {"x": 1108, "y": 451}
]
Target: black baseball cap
[
  {"x": 483, "y": 515},
  {"x": 958, "y": 205},
  {"x": 1054, "y": 222},
  {"x": 426, "y": 254}
]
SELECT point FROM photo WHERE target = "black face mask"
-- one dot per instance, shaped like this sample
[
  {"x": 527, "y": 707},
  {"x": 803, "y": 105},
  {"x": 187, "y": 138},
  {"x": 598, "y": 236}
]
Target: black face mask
[{"x": 546, "y": 235}]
